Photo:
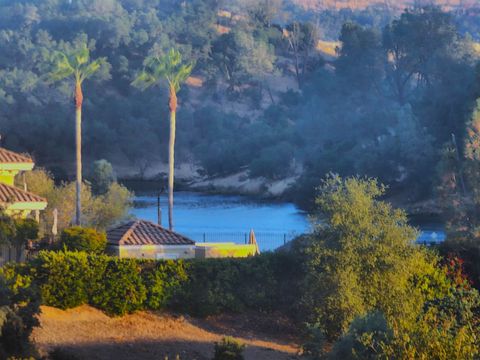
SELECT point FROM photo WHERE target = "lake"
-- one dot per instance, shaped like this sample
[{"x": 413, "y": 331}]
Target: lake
[{"x": 226, "y": 218}]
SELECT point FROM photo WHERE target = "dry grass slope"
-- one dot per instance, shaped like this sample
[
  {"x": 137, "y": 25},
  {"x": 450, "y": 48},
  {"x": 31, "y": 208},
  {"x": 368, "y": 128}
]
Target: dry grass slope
[{"x": 89, "y": 334}]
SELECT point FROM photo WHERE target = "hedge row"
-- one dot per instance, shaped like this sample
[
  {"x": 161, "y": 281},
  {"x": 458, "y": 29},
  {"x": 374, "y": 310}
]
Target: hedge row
[
  {"x": 199, "y": 287},
  {"x": 267, "y": 283}
]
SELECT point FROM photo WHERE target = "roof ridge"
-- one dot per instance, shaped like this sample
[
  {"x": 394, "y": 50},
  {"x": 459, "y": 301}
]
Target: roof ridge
[
  {"x": 163, "y": 228},
  {"x": 151, "y": 223},
  {"x": 23, "y": 191},
  {"x": 129, "y": 231},
  {"x": 145, "y": 232},
  {"x": 27, "y": 158}
]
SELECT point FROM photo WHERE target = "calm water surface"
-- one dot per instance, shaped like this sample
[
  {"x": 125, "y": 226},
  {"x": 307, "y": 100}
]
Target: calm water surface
[{"x": 219, "y": 218}]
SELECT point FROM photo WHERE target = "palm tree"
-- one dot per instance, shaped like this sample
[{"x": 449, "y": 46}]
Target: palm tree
[
  {"x": 76, "y": 64},
  {"x": 171, "y": 68}
]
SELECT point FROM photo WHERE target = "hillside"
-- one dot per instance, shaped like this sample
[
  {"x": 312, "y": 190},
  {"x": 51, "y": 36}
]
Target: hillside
[
  {"x": 268, "y": 98},
  {"x": 89, "y": 334},
  {"x": 393, "y": 4}
]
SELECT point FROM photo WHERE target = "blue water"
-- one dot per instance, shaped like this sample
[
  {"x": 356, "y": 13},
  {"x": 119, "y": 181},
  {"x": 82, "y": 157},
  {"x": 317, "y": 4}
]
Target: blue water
[{"x": 223, "y": 218}]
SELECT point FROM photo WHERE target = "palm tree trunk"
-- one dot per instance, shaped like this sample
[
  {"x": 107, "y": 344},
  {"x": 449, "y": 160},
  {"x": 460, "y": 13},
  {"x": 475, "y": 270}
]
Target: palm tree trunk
[
  {"x": 78, "y": 151},
  {"x": 171, "y": 154}
]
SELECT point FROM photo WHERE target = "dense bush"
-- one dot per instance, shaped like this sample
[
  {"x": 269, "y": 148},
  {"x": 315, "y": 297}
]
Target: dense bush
[
  {"x": 211, "y": 288},
  {"x": 373, "y": 293},
  {"x": 229, "y": 349},
  {"x": 447, "y": 328},
  {"x": 163, "y": 280},
  {"x": 365, "y": 339},
  {"x": 266, "y": 282},
  {"x": 68, "y": 279},
  {"x": 19, "y": 307},
  {"x": 84, "y": 239},
  {"x": 117, "y": 286},
  {"x": 122, "y": 290},
  {"x": 362, "y": 258},
  {"x": 63, "y": 278},
  {"x": 469, "y": 252}
]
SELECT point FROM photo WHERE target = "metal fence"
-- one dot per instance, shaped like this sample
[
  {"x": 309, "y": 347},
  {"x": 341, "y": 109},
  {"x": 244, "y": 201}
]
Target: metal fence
[
  {"x": 273, "y": 240},
  {"x": 10, "y": 253},
  {"x": 265, "y": 240}
]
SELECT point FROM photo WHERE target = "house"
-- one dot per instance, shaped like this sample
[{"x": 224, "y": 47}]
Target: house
[
  {"x": 144, "y": 239},
  {"x": 13, "y": 200},
  {"x": 16, "y": 201}
]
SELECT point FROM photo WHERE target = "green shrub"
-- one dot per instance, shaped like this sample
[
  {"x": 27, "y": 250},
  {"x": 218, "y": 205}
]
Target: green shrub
[
  {"x": 18, "y": 289},
  {"x": 267, "y": 282},
  {"x": 67, "y": 279},
  {"x": 63, "y": 278},
  {"x": 316, "y": 345},
  {"x": 121, "y": 291},
  {"x": 362, "y": 258},
  {"x": 163, "y": 279},
  {"x": 13, "y": 338},
  {"x": 19, "y": 307},
  {"x": 84, "y": 239},
  {"x": 229, "y": 349},
  {"x": 365, "y": 339},
  {"x": 448, "y": 328},
  {"x": 211, "y": 288}
]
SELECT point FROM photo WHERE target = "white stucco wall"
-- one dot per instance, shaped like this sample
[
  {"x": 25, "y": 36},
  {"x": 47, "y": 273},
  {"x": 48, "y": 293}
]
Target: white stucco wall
[{"x": 164, "y": 252}]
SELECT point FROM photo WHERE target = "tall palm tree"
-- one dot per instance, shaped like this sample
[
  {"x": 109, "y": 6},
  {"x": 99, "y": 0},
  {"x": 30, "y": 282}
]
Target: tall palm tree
[
  {"x": 174, "y": 71},
  {"x": 76, "y": 64}
]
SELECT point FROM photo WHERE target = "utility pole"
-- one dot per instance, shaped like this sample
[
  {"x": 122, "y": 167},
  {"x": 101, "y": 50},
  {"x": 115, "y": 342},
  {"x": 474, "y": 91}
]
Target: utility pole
[{"x": 159, "y": 210}]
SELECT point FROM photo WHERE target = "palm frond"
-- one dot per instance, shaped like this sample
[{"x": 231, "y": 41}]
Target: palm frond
[
  {"x": 144, "y": 80},
  {"x": 91, "y": 68},
  {"x": 182, "y": 75},
  {"x": 81, "y": 55},
  {"x": 168, "y": 66},
  {"x": 76, "y": 63},
  {"x": 62, "y": 68}
]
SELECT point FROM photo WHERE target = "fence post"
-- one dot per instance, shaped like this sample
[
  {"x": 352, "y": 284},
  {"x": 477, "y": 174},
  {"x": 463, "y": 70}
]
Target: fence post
[
  {"x": 284, "y": 239},
  {"x": 245, "y": 238},
  {"x": 204, "y": 237}
]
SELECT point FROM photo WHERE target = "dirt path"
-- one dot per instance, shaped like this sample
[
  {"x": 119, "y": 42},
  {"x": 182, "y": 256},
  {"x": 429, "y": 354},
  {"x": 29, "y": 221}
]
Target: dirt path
[{"x": 87, "y": 333}]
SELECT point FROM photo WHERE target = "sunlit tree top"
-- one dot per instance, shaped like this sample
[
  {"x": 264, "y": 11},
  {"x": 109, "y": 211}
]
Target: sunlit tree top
[
  {"x": 77, "y": 63},
  {"x": 168, "y": 66}
]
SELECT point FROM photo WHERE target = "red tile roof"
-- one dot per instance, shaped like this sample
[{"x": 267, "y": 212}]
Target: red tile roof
[
  {"x": 141, "y": 232},
  {"x": 11, "y": 194},
  {"x": 7, "y": 156}
]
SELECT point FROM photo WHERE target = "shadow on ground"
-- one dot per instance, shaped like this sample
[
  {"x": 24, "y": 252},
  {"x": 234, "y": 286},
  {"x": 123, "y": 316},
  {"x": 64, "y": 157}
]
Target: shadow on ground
[{"x": 157, "y": 350}]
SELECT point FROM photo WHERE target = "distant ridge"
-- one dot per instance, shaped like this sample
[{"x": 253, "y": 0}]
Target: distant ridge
[{"x": 392, "y": 4}]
